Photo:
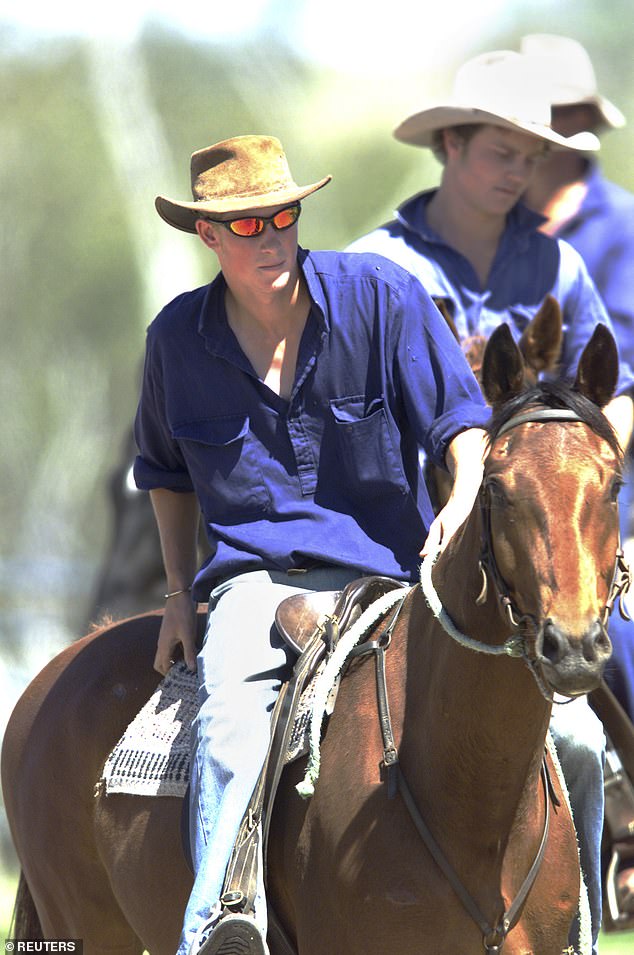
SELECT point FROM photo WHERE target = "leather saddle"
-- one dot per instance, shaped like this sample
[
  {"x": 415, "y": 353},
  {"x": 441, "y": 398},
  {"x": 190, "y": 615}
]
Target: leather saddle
[{"x": 331, "y": 612}]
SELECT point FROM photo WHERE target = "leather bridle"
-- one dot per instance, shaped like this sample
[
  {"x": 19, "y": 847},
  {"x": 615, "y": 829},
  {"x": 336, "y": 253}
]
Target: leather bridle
[{"x": 526, "y": 622}]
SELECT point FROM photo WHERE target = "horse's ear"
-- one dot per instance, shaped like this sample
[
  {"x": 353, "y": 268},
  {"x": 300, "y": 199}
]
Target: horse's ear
[
  {"x": 598, "y": 370},
  {"x": 442, "y": 304},
  {"x": 541, "y": 340},
  {"x": 502, "y": 367}
]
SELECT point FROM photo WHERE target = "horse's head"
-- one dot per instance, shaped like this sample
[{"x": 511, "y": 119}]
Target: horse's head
[{"x": 549, "y": 506}]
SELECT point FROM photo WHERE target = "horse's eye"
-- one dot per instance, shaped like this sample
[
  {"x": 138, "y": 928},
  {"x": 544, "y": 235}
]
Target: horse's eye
[
  {"x": 615, "y": 487},
  {"x": 496, "y": 494}
]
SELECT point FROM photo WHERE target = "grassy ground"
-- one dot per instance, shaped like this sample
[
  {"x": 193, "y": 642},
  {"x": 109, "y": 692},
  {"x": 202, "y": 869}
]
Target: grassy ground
[
  {"x": 617, "y": 943},
  {"x": 7, "y": 894}
]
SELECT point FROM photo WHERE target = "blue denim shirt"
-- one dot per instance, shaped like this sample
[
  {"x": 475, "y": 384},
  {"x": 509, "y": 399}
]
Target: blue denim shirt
[
  {"x": 602, "y": 231},
  {"x": 528, "y": 266},
  {"x": 331, "y": 474}
]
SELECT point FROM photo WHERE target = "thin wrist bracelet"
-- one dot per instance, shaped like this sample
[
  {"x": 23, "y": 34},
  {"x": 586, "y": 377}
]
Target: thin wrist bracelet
[{"x": 175, "y": 593}]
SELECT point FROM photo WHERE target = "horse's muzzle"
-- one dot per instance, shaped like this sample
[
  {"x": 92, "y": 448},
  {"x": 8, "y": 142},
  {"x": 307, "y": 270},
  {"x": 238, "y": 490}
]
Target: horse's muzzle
[{"x": 573, "y": 665}]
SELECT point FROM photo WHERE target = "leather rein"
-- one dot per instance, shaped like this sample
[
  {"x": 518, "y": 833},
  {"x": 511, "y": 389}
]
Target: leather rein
[{"x": 493, "y": 937}]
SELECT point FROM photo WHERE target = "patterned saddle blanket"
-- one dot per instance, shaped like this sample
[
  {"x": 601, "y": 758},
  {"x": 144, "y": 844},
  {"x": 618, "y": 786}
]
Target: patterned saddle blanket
[{"x": 152, "y": 756}]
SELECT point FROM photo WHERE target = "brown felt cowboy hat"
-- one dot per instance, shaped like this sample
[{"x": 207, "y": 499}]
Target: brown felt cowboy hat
[
  {"x": 501, "y": 88},
  {"x": 569, "y": 71},
  {"x": 247, "y": 172}
]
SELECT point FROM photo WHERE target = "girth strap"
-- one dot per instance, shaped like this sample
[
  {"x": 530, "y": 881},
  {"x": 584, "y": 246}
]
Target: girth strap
[{"x": 389, "y": 764}]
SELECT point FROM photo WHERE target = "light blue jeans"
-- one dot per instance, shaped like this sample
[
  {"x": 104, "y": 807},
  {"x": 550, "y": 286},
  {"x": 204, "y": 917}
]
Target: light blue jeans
[
  {"x": 580, "y": 742},
  {"x": 241, "y": 666}
]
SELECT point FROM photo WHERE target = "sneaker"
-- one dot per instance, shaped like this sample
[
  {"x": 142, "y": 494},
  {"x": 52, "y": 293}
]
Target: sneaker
[{"x": 234, "y": 935}]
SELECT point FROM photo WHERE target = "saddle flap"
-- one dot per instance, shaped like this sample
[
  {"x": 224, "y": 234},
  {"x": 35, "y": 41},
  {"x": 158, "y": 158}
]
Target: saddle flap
[{"x": 297, "y": 617}]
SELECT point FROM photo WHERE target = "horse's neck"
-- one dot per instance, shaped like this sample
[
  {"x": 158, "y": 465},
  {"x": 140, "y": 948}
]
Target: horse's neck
[
  {"x": 458, "y": 580},
  {"x": 481, "y": 722}
]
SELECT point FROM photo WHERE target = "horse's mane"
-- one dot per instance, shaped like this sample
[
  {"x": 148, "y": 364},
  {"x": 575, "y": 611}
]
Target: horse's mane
[{"x": 556, "y": 394}]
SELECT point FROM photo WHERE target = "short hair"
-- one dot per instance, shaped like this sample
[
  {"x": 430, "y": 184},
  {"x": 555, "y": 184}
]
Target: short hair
[{"x": 465, "y": 132}]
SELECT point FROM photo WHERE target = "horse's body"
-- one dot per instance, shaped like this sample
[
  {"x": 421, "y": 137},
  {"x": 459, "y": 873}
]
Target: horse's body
[
  {"x": 353, "y": 850},
  {"x": 348, "y": 872}
]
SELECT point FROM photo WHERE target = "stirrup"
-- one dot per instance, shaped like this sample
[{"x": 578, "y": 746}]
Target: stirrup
[{"x": 230, "y": 935}]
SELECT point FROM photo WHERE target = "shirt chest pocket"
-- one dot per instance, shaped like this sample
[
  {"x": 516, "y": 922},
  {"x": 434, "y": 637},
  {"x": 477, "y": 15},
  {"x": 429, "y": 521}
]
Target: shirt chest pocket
[
  {"x": 366, "y": 450},
  {"x": 222, "y": 455}
]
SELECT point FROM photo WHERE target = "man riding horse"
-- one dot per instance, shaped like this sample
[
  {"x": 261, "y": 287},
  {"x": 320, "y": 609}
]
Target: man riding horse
[
  {"x": 286, "y": 401},
  {"x": 596, "y": 216},
  {"x": 477, "y": 249}
]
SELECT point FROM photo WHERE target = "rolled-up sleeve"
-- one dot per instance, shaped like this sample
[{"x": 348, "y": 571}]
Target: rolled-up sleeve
[
  {"x": 440, "y": 392},
  {"x": 159, "y": 463}
]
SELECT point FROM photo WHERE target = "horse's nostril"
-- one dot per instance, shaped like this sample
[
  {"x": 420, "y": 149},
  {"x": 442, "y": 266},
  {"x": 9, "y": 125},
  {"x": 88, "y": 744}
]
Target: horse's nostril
[
  {"x": 596, "y": 643},
  {"x": 554, "y": 644},
  {"x": 593, "y": 648}
]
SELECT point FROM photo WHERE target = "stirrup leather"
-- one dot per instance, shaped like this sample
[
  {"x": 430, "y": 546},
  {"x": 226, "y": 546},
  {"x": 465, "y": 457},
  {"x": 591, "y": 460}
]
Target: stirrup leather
[{"x": 240, "y": 885}]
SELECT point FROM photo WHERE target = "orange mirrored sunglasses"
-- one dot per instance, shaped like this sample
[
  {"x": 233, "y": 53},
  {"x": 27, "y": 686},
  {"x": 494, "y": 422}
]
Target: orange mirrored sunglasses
[{"x": 247, "y": 227}]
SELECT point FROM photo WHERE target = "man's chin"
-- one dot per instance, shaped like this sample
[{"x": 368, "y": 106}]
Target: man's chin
[{"x": 282, "y": 280}]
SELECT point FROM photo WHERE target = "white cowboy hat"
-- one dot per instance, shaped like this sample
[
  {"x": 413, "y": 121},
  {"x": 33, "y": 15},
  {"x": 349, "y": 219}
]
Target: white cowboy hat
[
  {"x": 569, "y": 71},
  {"x": 247, "y": 172},
  {"x": 501, "y": 88}
]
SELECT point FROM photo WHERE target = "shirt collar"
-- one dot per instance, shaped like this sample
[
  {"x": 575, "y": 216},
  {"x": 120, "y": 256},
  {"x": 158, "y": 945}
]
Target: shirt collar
[
  {"x": 315, "y": 285},
  {"x": 521, "y": 221},
  {"x": 212, "y": 321},
  {"x": 595, "y": 195}
]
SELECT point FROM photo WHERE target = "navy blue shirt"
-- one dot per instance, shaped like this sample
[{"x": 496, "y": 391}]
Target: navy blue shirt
[
  {"x": 528, "y": 266},
  {"x": 331, "y": 474},
  {"x": 602, "y": 231}
]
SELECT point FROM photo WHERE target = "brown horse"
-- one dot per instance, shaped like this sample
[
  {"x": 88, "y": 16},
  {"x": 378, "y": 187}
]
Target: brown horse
[
  {"x": 540, "y": 342},
  {"x": 349, "y": 871},
  {"x": 540, "y": 346}
]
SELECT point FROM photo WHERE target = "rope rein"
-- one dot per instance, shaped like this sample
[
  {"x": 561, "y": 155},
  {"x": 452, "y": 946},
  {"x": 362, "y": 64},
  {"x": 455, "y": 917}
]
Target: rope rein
[{"x": 513, "y": 647}]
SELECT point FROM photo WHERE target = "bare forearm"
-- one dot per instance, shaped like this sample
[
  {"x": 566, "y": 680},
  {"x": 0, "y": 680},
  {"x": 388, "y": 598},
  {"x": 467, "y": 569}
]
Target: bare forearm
[
  {"x": 464, "y": 457},
  {"x": 177, "y": 517}
]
